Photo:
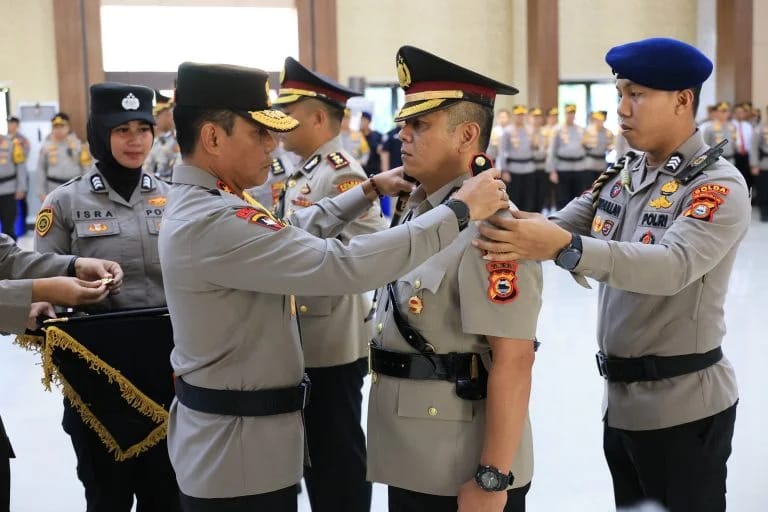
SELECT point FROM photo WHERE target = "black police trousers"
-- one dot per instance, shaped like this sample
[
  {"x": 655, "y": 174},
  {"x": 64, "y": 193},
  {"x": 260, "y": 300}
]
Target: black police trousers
[
  {"x": 403, "y": 500},
  {"x": 283, "y": 500},
  {"x": 682, "y": 468},
  {"x": 570, "y": 184},
  {"x": 761, "y": 184},
  {"x": 110, "y": 486},
  {"x": 8, "y": 214},
  {"x": 336, "y": 480},
  {"x": 522, "y": 191}
]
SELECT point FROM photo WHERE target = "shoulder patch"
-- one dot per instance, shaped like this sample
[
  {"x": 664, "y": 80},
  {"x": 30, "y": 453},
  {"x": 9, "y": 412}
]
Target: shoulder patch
[
  {"x": 337, "y": 160},
  {"x": 348, "y": 184},
  {"x": 277, "y": 167},
  {"x": 502, "y": 281},
  {"x": 258, "y": 217},
  {"x": 312, "y": 163},
  {"x": 44, "y": 221},
  {"x": 97, "y": 183},
  {"x": 706, "y": 200}
]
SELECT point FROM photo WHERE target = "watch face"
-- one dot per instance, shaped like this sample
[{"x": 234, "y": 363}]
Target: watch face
[{"x": 489, "y": 480}]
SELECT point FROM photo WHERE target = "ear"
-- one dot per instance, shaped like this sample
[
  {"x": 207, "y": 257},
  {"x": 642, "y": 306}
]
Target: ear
[
  {"x": 684, "y": 101},
  {"x": 210, "y": 138},
  {"x": 319, "y": 116},
  {"x": 469, "y": 133}
]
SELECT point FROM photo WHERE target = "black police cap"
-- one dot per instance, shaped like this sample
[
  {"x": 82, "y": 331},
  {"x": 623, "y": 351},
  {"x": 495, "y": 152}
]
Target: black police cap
[
  {"x": 239, "y": 89},
  {"x": 113, "y": 104},
  {"x": 298, "y": 82}
]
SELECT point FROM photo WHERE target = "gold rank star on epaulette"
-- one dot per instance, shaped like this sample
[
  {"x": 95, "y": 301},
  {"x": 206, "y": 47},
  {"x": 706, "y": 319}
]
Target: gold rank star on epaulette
[{"x": 337, "y": 160}]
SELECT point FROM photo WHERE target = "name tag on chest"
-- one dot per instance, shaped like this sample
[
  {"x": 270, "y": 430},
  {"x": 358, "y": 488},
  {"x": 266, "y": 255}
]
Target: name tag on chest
[{"x": 93, "y": 214}]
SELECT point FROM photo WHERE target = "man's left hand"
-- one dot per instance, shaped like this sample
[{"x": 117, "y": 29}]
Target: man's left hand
[
  {"x": 474, "y": 499},
  {"x": 521, "y": 236}
]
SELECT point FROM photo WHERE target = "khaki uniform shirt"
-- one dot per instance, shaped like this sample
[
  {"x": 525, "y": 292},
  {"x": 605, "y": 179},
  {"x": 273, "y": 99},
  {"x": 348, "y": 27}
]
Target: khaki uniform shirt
[
  {"x": 333, "y": 329},
  {"x": 421, "y": 435},
  {"x": 516, "y": 150},
  {"x": 228, "y": 269},
  {"x": 597, "y": 144},
  {"x": 716, "y": 132},
  {"x": 663, "y": 255},
  {"x": 17, "y": 269},
  {"x": 58, "y": 163},
  {"x": 13, "y": 170},
  {"x": 162, "y": 157},
  {"x": 566, "y": 142},
  {"x": 758, "y": 156},
  {"x": 86, "y": 217}
]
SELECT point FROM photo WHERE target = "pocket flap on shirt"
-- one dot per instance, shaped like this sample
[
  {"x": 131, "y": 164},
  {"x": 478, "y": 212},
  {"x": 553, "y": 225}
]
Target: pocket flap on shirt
[
  {"x": 153, "y": 225},
  {"x": 431, "y": 400},
  {"x": 428, "y": 278},
  {"x": 97, "y": 228},
  {"x": 315, "y": 306}
]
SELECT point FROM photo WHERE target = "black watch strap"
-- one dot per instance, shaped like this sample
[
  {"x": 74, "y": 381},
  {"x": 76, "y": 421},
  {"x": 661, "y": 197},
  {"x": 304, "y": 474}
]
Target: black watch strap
[
  {"x": 461, "y": 210},
  {"x": 502, "y": 481},
  {"x": 570, "y": 256},
  {"x": 71, "y": 272}
]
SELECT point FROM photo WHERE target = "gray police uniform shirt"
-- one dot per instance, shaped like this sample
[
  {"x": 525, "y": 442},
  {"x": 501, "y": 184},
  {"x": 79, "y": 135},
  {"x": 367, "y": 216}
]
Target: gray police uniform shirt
[
  {"x": 17, "y": 270},
  {"x": 597, "y": 143},
  {"x": 716, "y": 132},
  {"x": 13, "y": 176},
  {"x": 89, "y": 218},
  {"x": 758, "y": 156},
  {"x": 228, "y": 267},
  {"x": 516, "y": 150},
  {"x": 58, "y": 163},
  {"x": 421, "y": 435},
  {"x": 663, "y": 255},
  {"x": 162, "y": 157},
  {"x": 566, "y": 149},
  {"x": 333, "y": 329},
  {"x": 540, "y": 146}
]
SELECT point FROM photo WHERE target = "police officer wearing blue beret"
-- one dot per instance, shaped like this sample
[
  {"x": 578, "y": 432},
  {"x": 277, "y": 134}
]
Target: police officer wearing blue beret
[{"x": 660, "y": 232}]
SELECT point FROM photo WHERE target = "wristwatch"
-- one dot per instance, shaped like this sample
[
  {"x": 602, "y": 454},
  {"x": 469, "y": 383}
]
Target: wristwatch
[
  {"x": 461, "y": 210},
  {"x": 570, "y": 256},
  {"x": 491, "y": 479}
]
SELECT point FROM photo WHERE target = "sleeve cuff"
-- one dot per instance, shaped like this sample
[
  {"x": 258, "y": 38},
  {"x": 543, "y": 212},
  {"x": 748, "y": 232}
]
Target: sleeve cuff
[{"x": 595, "y": 256}]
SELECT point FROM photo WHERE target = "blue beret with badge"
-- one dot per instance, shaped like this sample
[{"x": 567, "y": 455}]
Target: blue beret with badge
[{"x": 660, "y": 63}]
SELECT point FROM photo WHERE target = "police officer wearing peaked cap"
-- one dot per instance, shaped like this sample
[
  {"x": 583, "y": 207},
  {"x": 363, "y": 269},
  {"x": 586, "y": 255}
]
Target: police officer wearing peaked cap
[
  {"x": 235, "y": 436},
  {"x": 335, "y": 331},
  {"x": 660, "y": 232}
]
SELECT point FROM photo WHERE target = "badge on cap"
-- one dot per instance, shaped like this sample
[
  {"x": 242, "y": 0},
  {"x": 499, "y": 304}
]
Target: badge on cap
[
  {"x": 403, "y": 73},
  {"x": 131, "y": 102}
]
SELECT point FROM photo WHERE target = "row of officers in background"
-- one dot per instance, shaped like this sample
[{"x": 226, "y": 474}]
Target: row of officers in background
[{"x": 546, "y": 163}]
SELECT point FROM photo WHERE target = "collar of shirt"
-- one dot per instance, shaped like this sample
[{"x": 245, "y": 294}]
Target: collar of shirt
[
  {"x": 421, "y": 203},
  {"x": 687, "y": 151}
]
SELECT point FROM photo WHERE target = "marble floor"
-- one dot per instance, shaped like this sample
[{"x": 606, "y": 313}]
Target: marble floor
[{"x": 570, "y": 475}]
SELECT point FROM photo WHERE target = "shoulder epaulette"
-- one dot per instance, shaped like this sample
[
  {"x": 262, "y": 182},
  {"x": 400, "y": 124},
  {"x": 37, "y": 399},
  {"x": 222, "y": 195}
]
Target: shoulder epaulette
[
  {"x": 701, "y": 163},
  {"x": 337, "y": 160}
]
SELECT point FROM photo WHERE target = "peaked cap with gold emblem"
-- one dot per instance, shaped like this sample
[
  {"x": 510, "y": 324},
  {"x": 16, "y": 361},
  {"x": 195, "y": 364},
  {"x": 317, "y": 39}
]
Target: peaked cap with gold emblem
[
  {"x": 242, "y": 90},
  {"x": 432, "y": 83},
  {"x": 298, "y": 82}
]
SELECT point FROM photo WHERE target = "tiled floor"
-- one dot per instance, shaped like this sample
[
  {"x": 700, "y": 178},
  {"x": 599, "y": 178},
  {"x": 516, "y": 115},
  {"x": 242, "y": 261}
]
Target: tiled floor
[{"x": 570, "y": 471}]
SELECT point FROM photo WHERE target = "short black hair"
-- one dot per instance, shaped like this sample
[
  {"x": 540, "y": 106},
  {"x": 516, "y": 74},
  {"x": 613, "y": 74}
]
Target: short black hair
[
  {"x": 334, "y": 111},
  {"x": 189, "y": 120},
  {"x": 467, "y": 111},
  {"x": 696, "y": 98},
  {"x": 14, "y": 119}
]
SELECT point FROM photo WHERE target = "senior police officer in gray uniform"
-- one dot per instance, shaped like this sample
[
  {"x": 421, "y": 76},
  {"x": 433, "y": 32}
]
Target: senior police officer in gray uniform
[
  {"x": 598, "y": 140},
  {"x": 722, "y": 129},
  {"x": 13, "y": 182},
  {"x": 165, "y": 150},
  {"x": 26, "y": 283},
  {"x": 61, "y": 157},
  {"x": 565, "y": 159},
  {"x": 235, "y": 435},
  {"x": 115, "y": 212},
  {"x": 660, "y": 232},
  {"x": 335, "y": 331},
  {"x": 516, "y": 149},
  {"x": 433, "y": 436}
]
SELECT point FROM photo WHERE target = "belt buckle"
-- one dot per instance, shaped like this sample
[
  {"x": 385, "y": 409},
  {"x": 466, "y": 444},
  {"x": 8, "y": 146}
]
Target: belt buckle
[{"x": 602, "y": 368}]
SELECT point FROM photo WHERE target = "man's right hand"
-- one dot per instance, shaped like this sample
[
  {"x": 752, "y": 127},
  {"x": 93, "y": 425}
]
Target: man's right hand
[
  {"x": 68, "y": 291},
  {"x": 484, "y": 194}
]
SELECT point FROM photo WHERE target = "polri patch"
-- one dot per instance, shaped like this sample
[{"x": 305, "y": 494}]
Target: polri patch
[{"x": 44, "y": 221}]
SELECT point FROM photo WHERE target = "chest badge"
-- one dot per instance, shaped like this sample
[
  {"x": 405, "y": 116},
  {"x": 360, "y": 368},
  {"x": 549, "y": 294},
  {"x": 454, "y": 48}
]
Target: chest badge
[
  {"x": 415, "y": 305},
  {"x": 597, "y": 223},
  {"x": 670, "y": 188},
  {"x": 291, "y": 183},
  {"x": 660, "y": 203},
  {"x": 305, "y": 189},
  {"x": 616, "y": 189},
  {"x": 648, "y": 238},
  {"x": 158, "y": 201},
  {"x": 98, "y": 228}
]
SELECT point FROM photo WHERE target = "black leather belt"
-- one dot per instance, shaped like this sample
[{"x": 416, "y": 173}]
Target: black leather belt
[
  {"x": 539, "y": 160},
  {"x": 648, "y": 368},
  {"x": 570, "y": 158},
  {"x": 60, "y": 181},
  {"x": 7, "y": 179},
  {"x": 226, "y": 402},
  {"x": 465, "y": 369},
  {"x": 519, "y": 160}
]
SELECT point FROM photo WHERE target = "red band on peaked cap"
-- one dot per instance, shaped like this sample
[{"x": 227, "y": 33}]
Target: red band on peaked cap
[{"x": 417, "y": 87}]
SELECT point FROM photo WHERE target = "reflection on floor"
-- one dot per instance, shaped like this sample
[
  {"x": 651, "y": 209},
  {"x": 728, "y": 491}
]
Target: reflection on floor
[{"x": 570, "y": 471}]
